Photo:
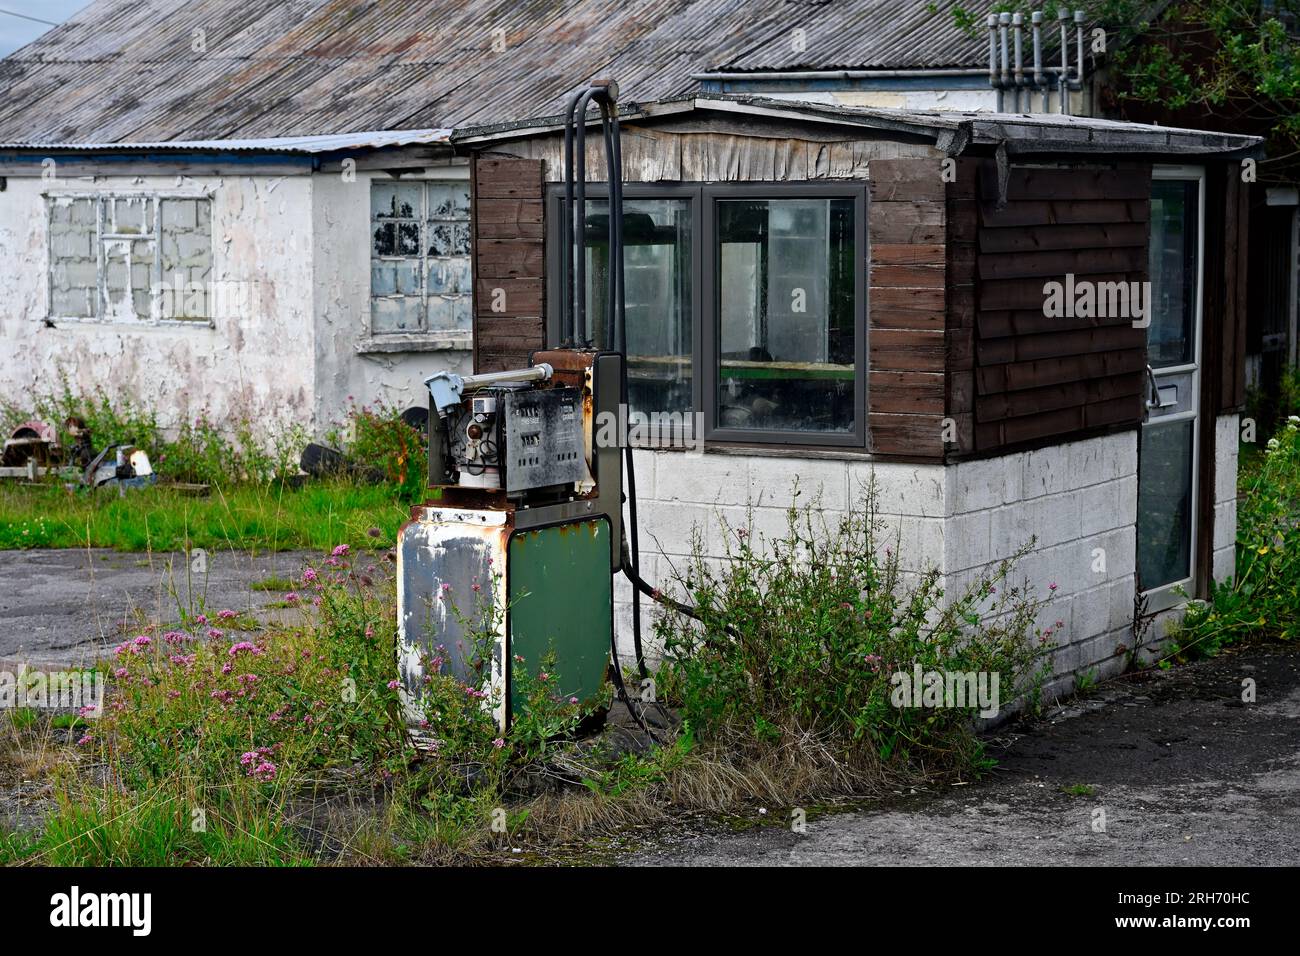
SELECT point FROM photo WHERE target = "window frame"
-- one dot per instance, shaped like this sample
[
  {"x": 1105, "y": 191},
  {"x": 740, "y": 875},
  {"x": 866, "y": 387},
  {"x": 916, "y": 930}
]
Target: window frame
[
  {"x": 455, "y": 175},
  {"x": 705, "y": 335},
  {"x": 100, "y": 198}
]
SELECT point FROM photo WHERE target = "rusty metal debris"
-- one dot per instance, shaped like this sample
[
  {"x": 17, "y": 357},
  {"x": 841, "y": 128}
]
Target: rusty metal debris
[{"x": 34, "y": 450}]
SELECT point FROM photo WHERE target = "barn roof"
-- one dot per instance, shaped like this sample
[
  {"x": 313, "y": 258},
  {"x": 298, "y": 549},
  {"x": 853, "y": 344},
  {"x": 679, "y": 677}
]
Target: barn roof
[{"x": 149, "y": 71}]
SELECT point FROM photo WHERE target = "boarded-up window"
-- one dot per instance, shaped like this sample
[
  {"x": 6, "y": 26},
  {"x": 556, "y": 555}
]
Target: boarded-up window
[
  {"x": 130, "y": 257},
  {"x": 419, "y": 256}
]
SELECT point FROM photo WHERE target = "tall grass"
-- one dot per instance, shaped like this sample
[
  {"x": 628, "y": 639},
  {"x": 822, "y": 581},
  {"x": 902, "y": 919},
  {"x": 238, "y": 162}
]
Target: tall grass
[{"x": 248, "y": 517}]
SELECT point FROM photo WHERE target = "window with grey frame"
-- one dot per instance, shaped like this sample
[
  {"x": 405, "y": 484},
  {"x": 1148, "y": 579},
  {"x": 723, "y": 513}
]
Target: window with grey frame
[
  {"x": 420, "y": 275},
  {"x": 759, "y": 288}
]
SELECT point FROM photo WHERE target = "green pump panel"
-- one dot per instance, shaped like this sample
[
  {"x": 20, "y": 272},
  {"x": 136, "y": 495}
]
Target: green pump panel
[{"x": 561, "y": 597}]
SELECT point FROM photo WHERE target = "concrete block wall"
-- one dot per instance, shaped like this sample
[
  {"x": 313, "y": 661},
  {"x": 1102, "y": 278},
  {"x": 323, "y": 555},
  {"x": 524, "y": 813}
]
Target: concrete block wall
[
  {"x": 1079, "y": 500},
  {"x": 1078, "y": 503},
  {"x": 1227, "y": 429}
]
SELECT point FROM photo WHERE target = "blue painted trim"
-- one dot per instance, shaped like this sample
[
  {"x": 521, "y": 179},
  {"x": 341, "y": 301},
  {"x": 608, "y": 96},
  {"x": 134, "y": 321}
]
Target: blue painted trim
[{"x": 235, "y": 159}]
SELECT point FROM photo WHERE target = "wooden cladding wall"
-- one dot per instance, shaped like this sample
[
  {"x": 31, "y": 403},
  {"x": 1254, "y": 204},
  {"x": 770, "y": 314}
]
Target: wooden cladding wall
[
  {"x": 1022, "y": 376},
  {"x": 907, "y": 301},
  {"x": 509, "y": 261}
]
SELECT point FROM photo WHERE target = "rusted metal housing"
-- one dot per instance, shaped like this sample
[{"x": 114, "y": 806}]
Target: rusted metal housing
[{"x": 457, "y": 612}]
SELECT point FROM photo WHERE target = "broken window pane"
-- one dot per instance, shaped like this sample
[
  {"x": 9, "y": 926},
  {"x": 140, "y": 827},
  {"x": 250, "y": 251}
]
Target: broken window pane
[
  {"x": 395, "y": 201},
  {"x": 431, "y": 268},
  {"x": 408, "y": 239},
  {"x": 449, "y": 201}
]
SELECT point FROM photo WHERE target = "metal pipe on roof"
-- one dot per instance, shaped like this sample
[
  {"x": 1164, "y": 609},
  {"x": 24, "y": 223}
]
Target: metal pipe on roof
[
  {"x": 1004, "y": 23},
  {"x": 993, "y": 56},
  {"x": 1063, "y": 83},
  {"x": 1040, "y": 81},
  {"x": 1017, "y": 26},
  {"x": 1079, "y": 19}
]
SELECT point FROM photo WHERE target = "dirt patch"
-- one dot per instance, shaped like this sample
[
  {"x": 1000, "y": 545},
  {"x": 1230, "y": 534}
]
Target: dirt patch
[{"x": 1166, "y": 768}]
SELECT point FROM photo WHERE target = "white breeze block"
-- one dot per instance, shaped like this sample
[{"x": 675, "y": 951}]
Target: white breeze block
[{"x": 1079, "y": 500}]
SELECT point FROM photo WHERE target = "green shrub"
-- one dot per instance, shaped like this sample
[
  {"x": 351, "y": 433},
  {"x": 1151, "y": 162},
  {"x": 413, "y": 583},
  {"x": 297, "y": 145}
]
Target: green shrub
[
  {"x": 804, "y": 633},
  {"x": 376, "y": 437},
  {"x": 1263, "y": 599}
]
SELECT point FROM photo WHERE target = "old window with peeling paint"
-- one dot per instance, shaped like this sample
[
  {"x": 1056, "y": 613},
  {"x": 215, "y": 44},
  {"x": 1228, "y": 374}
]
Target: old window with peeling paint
[
  {"x": 131, "y": 257},
  {"x": 419, "y": 256}
]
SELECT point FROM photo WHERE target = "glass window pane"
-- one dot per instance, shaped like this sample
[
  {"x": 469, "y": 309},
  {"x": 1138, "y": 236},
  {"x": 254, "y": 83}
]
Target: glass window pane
[
  {"x": 395, "y": 200},
  {"x": 449, "y": 313},
  {"x": 448, "y": 276},
  {"x": 1173, "y": 272},
  {"x": 448, "y": 200},
  {"x": 657, "y": 249},
  {"x": 786, "y": 314},
  {"x": 395, "y": 314},
  {"x": 1165, "y": 504}
]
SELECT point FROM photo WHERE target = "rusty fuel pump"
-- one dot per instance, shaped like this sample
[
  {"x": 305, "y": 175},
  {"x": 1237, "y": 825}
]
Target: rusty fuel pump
[{"x": 514, "y": 557}]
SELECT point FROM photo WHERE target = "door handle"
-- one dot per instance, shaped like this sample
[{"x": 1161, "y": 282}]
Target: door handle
[{"x": 1153, "y": 394}]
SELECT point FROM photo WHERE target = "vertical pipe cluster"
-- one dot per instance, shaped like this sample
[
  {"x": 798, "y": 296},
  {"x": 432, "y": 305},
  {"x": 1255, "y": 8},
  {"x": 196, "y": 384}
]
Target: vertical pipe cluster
[
  {"x": 573, "y": 218},
  {"x": 1015, "y": 87}
]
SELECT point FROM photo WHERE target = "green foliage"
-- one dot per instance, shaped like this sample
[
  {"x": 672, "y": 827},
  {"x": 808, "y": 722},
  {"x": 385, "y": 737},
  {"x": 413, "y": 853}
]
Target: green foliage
[
  {"x": 377, "y": 437},
  {"x": 804, "y": 632},
  {"x": 1263, "y": 599},
  {"x": 1239, "y": 62}
]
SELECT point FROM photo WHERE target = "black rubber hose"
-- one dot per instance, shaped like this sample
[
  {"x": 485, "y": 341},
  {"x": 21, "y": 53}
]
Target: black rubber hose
[
  {"x": 567, "y": 325},
  {"x": 580, "y": 218}
]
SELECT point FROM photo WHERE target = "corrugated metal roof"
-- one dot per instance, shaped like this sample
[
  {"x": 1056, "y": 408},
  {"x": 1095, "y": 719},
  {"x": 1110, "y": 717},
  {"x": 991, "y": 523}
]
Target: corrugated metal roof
[
  {"x": 952, "y": 130},
  {"x": 311, "y": 145},
  {"x": 129, "y": 71}
]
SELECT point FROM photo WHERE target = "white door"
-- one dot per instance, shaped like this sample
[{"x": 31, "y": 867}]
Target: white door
[{"x": 1167, "y": 462}]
